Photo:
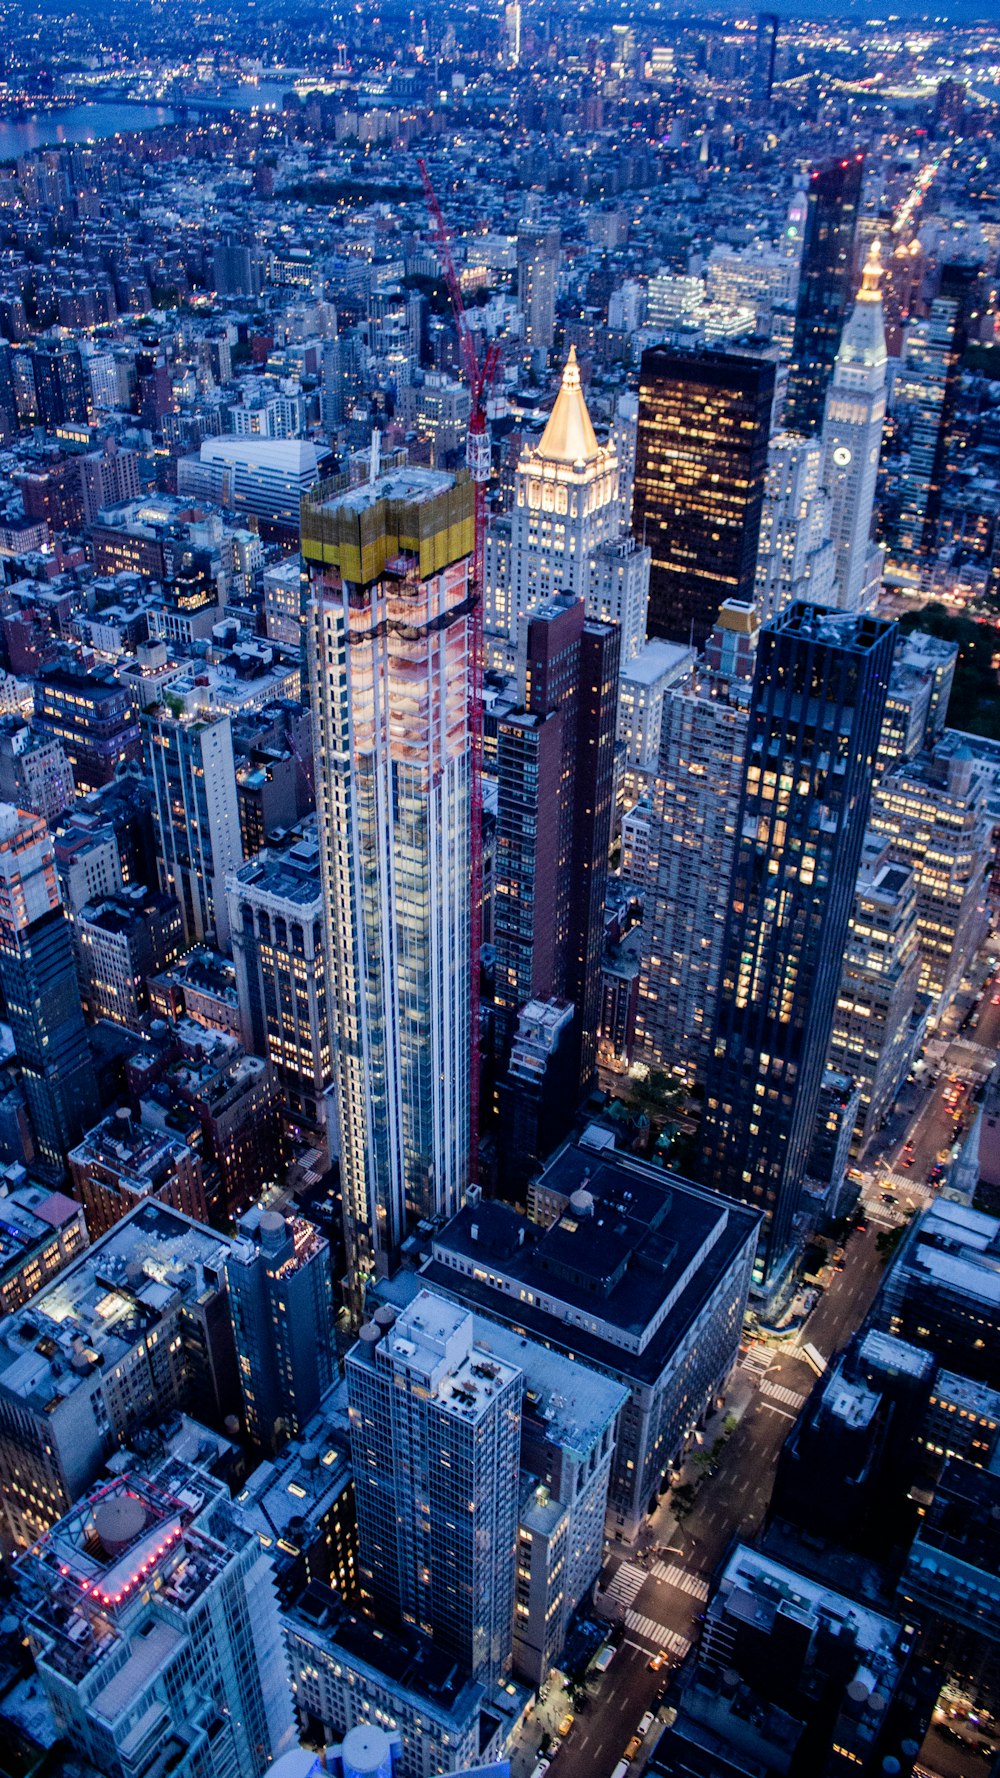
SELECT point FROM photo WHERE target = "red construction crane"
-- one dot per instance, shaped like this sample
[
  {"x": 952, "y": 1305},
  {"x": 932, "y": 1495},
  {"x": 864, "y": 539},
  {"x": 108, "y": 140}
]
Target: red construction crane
[{"x": 479, "y": 379}]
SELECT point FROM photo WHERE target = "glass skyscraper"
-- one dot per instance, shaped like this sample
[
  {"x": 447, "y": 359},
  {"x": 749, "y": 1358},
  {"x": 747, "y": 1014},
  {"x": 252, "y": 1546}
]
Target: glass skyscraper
[
  {"x": 816, "y": 708},
  {"x": 389, "y": 644},
  {"x": 701, "y": 465},
  {"x": 832, "y": 202}
]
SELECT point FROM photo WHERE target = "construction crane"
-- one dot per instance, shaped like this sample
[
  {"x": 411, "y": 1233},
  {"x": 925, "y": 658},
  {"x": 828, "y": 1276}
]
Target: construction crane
[{"x": 479, "y": 378}]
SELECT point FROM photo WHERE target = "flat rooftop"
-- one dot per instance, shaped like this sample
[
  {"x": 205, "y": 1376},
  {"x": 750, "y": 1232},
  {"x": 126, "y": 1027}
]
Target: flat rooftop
[
  {"x": 773, "y": 1584},
  {"x": 403, "y": 1659},
  {"x": 629, "y": 1272},
  {"x": 955, "y": 1248},
  {"x": 98, "y": 1308}
]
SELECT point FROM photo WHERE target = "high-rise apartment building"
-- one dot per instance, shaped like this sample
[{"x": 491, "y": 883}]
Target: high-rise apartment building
[
  {"x": 152, "y": 1616},
  {"x": 687, "y": 853},
  {"x": 281, "y": 1302},
  {"x": 555, "y": 766},
  {"x": 701, "y": 463},
  {"x": 933, "y": 813},
  {"x": 795, "y": 558},
  {"x": 537, "y": 277},
  {"x": 189, "y": 754},
  {"x": 435, "y": 1438},
  {"x": 832, "y": 202},
  {"x": 880, "y": 1015},
  {"x": 40, "y": 991},
  {"x": 924, "y": 406},
  {"x": 567, "y": 532},
  {"x": 389, "y": 642},
  {"x": 852, "y": 442},
  {"x": 816, "y": 707},
  {"x": 765, "y": 45},
  {"x": 276, "y": 928}
]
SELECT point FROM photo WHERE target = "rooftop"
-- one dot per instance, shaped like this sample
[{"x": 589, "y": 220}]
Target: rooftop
[
  {"x": 773, "y": 1587},
  {"x": 435, "y": 1339},
  {"x": 404, "y": 1659},
  {"x": 98, "y": 1309},
  {"x": 629, "y": 1263}
]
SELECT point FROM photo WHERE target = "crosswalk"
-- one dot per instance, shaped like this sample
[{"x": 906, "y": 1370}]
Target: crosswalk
[
  {"x": 757, "y": 1362},
  {"x": 657, "y": 1635},
  {"x": 675, "y": 1576},
  {"x": 789, "y": 1398},
  {"x": 627, "y": 1582}
]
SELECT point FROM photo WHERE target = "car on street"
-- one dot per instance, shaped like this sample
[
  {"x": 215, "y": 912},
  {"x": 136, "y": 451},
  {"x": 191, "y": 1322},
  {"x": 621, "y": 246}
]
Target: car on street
[
  {"x": 566, "y": 1724},
  {"x": 658, "y": 1661}
]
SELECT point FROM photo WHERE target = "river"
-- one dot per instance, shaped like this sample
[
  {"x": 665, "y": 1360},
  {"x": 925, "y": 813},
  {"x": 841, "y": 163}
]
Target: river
[{"x": 107, "y": 117}]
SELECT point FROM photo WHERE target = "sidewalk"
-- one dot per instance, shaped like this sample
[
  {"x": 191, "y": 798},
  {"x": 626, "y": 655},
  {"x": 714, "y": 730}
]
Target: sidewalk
[{"x": 659, "y": 1533}]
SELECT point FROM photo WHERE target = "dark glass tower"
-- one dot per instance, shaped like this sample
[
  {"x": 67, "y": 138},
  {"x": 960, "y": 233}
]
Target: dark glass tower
[
  {"x": 40, "y": 988},
  {"x": 763, "y": 62},
  {"x": 556, "y": 785},
  {"x": 818, "y": 695},
  {"x": 824, "y": 287},
  {"x": 701, "y": 462}
]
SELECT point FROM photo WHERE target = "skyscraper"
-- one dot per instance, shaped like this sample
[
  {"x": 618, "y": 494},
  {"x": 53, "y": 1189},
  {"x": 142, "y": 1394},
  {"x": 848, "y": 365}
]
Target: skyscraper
[
  {"x": 832, "y": 203},
  {"x": 40, "y": 990},
  {"x": 189, "y": 753},
  {"x": 389, "y": 640},
  {"x": 818, "y": 695},
  {"x": 795, "y": 558},
  {"x": 687, "y": 851},
  {"x": 701, "y": 461},
  {"x": 924, "y": 407},
  {"x": 555, "y": 761},
  {"x": 852, "y": 442},
  {"x": 567, "y": 532},
  {"x": 537, "y": 273},
  {"x": 435, "y": 1438},
  {"x": 765, "y": 44}
]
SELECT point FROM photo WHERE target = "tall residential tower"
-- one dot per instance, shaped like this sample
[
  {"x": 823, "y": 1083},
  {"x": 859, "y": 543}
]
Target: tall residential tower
[{"x": 389, "y": 656}]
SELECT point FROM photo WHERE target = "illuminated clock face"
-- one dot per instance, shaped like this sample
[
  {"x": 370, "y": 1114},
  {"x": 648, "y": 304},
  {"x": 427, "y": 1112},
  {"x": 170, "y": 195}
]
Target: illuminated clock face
[{"x": 842, "y": 456}]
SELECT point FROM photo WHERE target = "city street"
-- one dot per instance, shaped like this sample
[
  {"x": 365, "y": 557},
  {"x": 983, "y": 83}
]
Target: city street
[{"x": 656, "y": 1590}]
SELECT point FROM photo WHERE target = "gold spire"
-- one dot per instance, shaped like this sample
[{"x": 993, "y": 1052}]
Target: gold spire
[
  {"x": 871, "y": 277},
  {"x": 569, "y": 436}
]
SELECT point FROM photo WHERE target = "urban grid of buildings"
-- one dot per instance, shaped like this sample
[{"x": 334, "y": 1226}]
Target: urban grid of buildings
[{"x": 499, "y": 817}]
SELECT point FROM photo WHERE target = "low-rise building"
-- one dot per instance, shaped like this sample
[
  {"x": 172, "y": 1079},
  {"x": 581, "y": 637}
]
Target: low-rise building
[{"x": 120, "y": 1164}]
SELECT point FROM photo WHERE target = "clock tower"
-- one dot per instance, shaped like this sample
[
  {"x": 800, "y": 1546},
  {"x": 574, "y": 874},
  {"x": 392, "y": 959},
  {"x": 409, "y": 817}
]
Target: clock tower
[{"x": 852, "y": 440}]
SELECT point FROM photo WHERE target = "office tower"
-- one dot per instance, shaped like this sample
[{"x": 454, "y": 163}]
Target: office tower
[
  {"x": 389, "y": 641},
  {"x": 852, "y": 442},
  {"x": 189, "y": 755},
  {"x": 701, "y": 462},
  {"x": 120, "y": 1163},
  {"x": 42, "y": 998},
  {"x": 435, "y": 1435},
  {"x": 61, "y": 387},
  {"x": 949, "y": 107},
  {"x": 281, "y": 1302},
  {"x": 688, "y": 842},
  {"x": 880, "y": 1016},
  {"x": 924, "y": 404},
  {"x": 153, "y": 1621},
  {"x": 832, "y": 201},
  {"x": 933, "y": 813},
  {"x": 765, "y": 44},
  {"x": 237, "y": 268},
  {"x": 512, "y": 32},
  {"x": 818, "y": 694},
  {"x": 664, "y": 1320},
  {"x": 642, "y": 690},
  {"x": 555, "y": 766},
  {"x": 795, "y": 557},
  {"x": 537, "y": 276},
  {"x": 276, "y": 927},
  {"x": 566, "y": 533},
  {"x": 149, "y": 1302},
  {"x": 923, "y": 670}
]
